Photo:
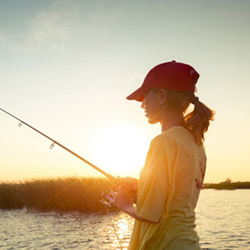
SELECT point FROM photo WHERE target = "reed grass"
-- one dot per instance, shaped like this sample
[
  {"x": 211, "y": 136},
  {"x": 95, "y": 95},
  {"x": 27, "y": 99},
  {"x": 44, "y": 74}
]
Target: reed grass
[
  {"x": 69, "y": 194},
  {"x": 60, "y": 194}
]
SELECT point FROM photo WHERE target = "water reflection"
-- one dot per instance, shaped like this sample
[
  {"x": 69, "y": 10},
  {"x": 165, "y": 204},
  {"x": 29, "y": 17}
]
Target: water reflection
[
  {"x": 223, "y": 221},
  {"x": 122, "y": 229},
  {"x": 22, "y": 229}
]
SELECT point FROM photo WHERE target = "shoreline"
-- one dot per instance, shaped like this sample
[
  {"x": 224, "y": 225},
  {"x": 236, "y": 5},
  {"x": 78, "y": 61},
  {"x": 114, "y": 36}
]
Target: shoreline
[{"x": 227, "y": 185}]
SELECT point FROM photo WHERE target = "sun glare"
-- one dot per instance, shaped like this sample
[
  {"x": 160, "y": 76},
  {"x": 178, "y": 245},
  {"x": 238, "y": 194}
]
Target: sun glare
[{"x": 120, "y": 149}]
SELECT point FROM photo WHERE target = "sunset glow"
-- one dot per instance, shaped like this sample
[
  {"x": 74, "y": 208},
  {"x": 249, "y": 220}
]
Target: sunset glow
[
  {"x": 67, "y": 67},
  {"x": 120, "y": 149}
]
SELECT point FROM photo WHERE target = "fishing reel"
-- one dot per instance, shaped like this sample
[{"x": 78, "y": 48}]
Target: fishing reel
[{"x": 108, "y": 198}]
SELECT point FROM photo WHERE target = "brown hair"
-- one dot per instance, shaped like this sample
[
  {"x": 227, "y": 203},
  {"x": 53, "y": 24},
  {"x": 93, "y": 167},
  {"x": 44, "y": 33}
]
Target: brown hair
[{"x": 197, "y": 121}]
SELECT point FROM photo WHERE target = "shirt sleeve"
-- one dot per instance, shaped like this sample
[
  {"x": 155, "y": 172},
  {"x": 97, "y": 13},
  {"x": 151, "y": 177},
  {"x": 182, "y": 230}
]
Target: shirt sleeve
[{"x": 156, "y": 184}]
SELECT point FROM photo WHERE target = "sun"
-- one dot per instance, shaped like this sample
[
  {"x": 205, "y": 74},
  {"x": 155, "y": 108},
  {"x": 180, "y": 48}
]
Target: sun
[{"x": 120, "y": 149}]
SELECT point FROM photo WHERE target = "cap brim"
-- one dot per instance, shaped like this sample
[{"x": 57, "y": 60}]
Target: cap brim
[{"x": 138, "y": 95}]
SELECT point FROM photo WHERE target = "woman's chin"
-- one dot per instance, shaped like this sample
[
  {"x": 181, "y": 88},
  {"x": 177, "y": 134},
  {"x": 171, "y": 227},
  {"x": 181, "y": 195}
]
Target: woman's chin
[{"x": 152, "y": 121}]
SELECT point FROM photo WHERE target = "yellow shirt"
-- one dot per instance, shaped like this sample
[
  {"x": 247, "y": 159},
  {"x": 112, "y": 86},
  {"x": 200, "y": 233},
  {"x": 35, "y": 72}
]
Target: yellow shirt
[{"x": 168, "y": 190}]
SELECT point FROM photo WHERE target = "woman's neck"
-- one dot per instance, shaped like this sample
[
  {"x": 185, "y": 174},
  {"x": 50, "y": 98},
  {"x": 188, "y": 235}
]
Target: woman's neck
[{"x": 172, "y": 120}]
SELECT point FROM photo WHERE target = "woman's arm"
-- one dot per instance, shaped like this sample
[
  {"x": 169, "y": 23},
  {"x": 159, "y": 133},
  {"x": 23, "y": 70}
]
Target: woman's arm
[{"x": 124, "y": 202}]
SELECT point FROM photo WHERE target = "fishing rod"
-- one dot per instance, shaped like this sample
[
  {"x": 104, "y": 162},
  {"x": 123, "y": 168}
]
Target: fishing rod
[{"x": 110, "y": 177}]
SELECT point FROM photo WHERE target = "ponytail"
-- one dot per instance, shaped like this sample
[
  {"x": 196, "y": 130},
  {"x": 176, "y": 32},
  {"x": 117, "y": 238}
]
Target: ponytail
[{"x": 198, "y": 121}]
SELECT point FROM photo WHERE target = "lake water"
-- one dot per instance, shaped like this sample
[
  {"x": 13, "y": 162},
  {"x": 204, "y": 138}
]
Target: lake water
[{"x": 223, "y": 222}]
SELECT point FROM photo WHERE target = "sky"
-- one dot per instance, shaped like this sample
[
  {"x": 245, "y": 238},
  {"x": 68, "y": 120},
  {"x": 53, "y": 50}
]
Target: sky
[{"x": 67, "y": 67}]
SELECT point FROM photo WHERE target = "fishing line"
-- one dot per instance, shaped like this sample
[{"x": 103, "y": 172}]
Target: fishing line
[
  {"x": 108, "y": 197},
  {"x": 54, "y": 142},
  {"x": 118, "y": 238}
]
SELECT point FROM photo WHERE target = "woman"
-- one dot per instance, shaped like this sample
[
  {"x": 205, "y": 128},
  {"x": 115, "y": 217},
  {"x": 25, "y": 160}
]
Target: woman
[{"x": 171, "y": 179}]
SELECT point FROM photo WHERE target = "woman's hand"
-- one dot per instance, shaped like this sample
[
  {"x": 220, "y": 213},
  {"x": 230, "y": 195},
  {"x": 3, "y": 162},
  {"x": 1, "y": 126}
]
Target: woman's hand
[
  {"x": 123, "y": 199},
  {"x": 129, "y": 184}
]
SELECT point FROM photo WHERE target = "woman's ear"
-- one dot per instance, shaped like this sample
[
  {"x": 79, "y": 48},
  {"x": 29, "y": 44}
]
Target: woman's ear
[{"x": 163, "y": 96}]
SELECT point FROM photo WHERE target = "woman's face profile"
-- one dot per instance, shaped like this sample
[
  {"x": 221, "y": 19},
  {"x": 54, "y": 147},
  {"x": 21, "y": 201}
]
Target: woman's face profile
[{"x": 151, "y": 105}]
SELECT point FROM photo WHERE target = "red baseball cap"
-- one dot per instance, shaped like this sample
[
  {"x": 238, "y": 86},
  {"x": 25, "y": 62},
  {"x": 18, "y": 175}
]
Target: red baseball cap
[{"x": 169, "y": 75}]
